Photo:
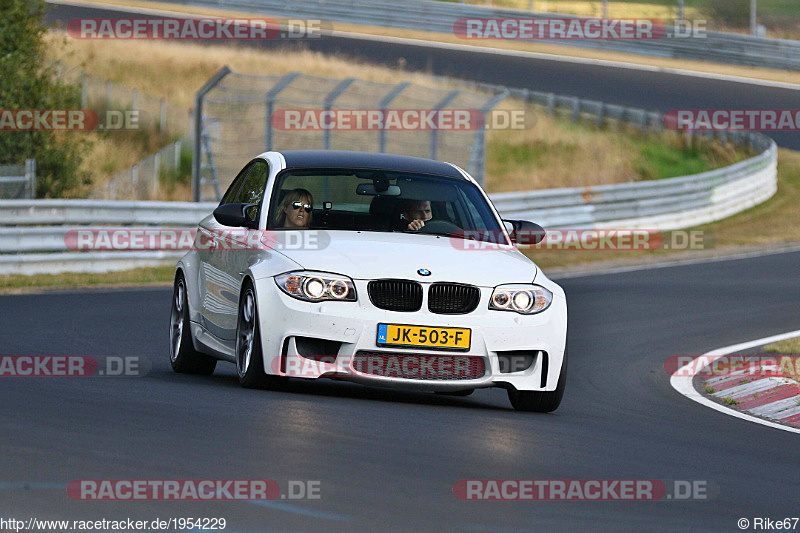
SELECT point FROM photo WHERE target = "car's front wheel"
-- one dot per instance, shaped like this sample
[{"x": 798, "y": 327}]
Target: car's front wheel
[
  {"x": 182, "y": 355},
  {"x": 249, "y": 356},
  {"x": 540, "y": 401}
]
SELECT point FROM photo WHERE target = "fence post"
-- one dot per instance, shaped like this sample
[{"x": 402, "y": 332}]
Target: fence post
[
  {"x": 329, "y": 99},
  {"x": 30, "y": 178},
  {"x": 197, "y": 152},
  {"x": 383, "y": 105},
  {"x": 177, "y": 156},
  {"x": 156, "y": 171},
  {"x": 84, "y": 95},
  {"x": 449, "y": 97},
  {"x": 135, "y": 180},
  {"x": 601, "y": 114},
  {"x": 270, "y": 106},
  {"x": 162, "y": 121},
  {"x": 477, "y": 160}
]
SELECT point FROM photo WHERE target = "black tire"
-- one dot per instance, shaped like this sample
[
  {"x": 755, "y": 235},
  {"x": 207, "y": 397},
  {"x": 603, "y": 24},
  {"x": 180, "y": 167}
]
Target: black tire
[
  {"x": 182, "y": 355},
  {"x": 248, "y": 336},
  {"x": 540, "y": 401}
]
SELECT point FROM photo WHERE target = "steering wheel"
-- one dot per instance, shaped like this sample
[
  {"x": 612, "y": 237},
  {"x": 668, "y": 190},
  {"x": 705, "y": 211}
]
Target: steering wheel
[{"x": 439, "y": 226}]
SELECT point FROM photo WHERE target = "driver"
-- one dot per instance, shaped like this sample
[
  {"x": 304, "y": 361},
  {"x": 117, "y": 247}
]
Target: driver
[{"x": 417, "y": 212}]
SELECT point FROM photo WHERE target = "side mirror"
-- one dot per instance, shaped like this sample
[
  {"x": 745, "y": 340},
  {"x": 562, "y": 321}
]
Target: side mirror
[
  {"x": 237, "y": 215},
  {"x": 524, "y": 232}
]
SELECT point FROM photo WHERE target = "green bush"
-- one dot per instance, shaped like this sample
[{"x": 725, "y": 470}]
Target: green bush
[{"x": 28, "y": 84}]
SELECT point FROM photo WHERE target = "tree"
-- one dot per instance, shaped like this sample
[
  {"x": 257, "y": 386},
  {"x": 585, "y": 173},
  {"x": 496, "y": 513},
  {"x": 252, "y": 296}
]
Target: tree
[{"x": 28, "y": 83}]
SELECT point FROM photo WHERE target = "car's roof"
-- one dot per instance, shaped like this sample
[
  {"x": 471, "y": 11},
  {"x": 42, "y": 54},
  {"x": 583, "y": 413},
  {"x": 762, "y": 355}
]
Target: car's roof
[{"x": 367, "y": 160}]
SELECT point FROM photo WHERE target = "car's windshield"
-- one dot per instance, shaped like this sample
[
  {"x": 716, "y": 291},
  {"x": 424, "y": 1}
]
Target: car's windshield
[{"x": 378, "y": 200}]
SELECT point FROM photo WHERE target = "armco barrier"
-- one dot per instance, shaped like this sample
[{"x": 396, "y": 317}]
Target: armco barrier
[{"x": 32, "y": 233}]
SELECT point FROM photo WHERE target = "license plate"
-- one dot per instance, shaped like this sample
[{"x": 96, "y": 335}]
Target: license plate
[{"x": 432, "y": 337}]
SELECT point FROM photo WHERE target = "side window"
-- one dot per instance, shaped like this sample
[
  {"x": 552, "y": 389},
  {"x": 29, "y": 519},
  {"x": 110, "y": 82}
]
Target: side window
[
  {"x": 252, "y": 190},
  {"x": 230, "y": 194}
]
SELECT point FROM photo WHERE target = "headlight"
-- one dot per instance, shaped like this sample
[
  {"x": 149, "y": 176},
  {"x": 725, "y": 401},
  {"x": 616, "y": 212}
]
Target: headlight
[
  {"x": 317, "y": 286},
  {"x": 524, "y": 299}
]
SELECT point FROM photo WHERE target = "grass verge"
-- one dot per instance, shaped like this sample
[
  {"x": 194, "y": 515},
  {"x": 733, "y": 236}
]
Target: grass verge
[
  {"x": 154, "y": 276},
  {"x": 789, "y": 346}
]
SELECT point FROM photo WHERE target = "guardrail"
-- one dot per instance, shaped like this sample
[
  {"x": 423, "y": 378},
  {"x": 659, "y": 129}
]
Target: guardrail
[
  {"x": 35, "y": 244},
  {"x": 666, "y": 204},
  {"x": 438, "y": 16}
]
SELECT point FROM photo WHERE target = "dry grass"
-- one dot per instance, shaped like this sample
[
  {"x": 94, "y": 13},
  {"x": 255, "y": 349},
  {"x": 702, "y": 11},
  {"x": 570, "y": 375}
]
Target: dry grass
[
  {"x": 790, "y": 346},
  {"x": 15, "y": 284},
  {"x": 154, "y": 66},
  {"x": 544, "y": 48},
  {"x": 552, "y": 153}
]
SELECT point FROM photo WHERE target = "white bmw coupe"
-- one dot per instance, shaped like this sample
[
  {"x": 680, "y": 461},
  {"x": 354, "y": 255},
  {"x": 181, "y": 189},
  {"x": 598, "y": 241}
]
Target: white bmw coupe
[{"x": 379, "y": 269}]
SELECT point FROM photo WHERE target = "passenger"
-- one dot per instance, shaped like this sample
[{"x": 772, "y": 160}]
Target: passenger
[
  {"x": 295, "y": 210},
  {"x": 417, "y": 212}
]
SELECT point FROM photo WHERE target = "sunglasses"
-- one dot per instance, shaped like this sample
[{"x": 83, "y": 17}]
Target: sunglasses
[{"x": 298, "y": 205}]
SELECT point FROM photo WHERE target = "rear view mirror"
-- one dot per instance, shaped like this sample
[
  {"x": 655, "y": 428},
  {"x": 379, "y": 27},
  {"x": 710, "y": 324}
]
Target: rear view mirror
[
  {"x": 377, "y": 189},
  {"x": 237, "y": 215}
]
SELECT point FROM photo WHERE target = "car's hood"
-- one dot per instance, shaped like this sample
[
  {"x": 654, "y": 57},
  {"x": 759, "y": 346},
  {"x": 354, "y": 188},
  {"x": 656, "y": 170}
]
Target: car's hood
[{"x": 373, "y": 255}]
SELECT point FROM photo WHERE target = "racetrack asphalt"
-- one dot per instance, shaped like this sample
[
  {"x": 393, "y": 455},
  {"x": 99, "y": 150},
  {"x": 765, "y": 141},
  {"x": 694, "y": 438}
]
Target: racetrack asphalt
[{"x": 389, "y": 459}]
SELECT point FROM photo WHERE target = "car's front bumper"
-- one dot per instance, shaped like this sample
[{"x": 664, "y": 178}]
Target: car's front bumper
[{"x": 354, "y": 325}]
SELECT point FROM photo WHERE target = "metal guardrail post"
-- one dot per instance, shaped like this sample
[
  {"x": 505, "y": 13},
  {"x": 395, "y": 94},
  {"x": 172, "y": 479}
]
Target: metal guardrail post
[
  {"x": 270, "y": 106},
  {"x": 30, "y": 178},
  {"x": 197, "y": 152},
  {"x": 576, "y": 109},
  {"x": 438, "y": 107},
  {"x": 328, "y": 103},
  {"x": 383, "y": 105}
]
